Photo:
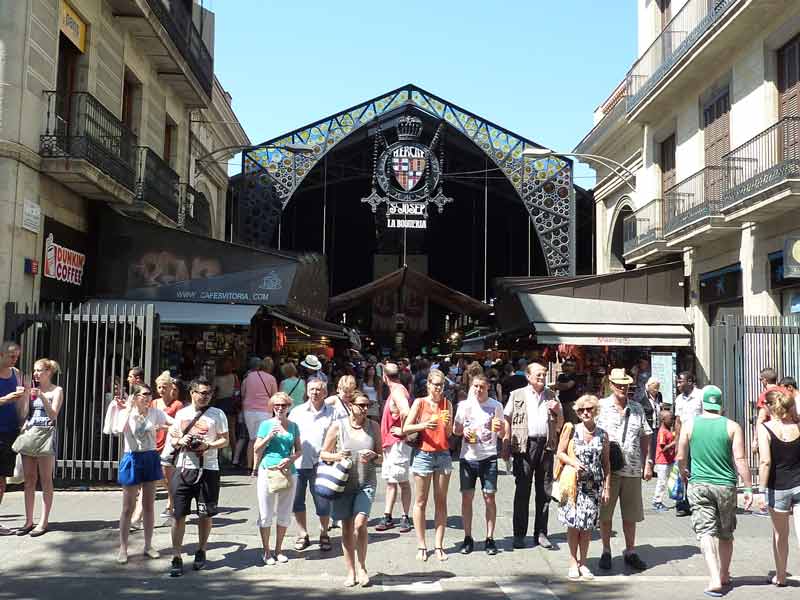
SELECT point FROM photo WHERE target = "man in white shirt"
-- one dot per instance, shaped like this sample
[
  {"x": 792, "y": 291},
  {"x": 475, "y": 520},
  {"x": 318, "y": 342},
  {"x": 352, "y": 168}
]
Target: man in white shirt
[
  {"x": 197, "y": 469},
  {"x": 534, "y": 418},
  {"x": 480, "y": 420},
  {"x": 688, "y": 405},
  {"x": 312, "y": 419}
]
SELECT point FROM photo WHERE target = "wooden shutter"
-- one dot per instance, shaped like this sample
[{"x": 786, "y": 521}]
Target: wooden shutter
[
  {"x": 717, "y": 142},
  {"x": 667, "y": 164},
  {"x": 789, "y": 96}
]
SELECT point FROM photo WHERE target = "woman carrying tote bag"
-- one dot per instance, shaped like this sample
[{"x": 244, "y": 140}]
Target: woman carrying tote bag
[{"x": 37, "y": 443}]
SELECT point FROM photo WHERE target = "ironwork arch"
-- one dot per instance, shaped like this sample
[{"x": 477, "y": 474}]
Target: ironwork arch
[
  {"x": 624, "y": 202},
  {"x": 544, "y": 185}
]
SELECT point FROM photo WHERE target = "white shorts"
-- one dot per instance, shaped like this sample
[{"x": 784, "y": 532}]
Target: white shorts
[
  {"x": 253, "y": 420},
  {"x": 396, "y": 466}
]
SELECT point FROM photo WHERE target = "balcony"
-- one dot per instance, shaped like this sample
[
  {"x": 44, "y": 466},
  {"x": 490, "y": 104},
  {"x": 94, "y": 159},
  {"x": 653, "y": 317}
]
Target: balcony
[
  {"x": 87, "y": 149},
  {"x": 762, "y": 176},
  {"x": 195, "y": 211},
  {"x": 167, "y": 34},
  {"x": 157, "y": 188},
  {"x": 684, "y": 31},
  {"x": 692, "y": 208},
  {"x": 643, "y": 233}
]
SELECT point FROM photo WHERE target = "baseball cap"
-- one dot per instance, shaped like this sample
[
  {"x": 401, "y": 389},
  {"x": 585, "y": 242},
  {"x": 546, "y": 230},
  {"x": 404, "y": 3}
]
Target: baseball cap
[{"x": 712, "y": 398}]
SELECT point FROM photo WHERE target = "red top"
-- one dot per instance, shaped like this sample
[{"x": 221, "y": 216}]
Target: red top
[
  {"x": 161, "y": 434},
  {"x": 665, "y": 457},
  {"x": 433, "y": 440},
  {"x": 389, "y": 420}
]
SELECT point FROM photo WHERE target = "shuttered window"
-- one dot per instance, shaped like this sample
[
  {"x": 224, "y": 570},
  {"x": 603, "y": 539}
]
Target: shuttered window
[
  {"x": 789, "y": 96},
  {"x": 667, "y": 160},
  {"x": 717, "y": 142}
]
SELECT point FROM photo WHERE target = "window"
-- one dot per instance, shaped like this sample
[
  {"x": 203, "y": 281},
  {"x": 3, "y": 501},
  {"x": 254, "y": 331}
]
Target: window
[
  {"x": 68, "y": 56},
  {"x": 789, "y": 79},
  {"x": 170, "y": 142},
  {"x": 131, "y": 102},
  {"x": 667, "y": 163},
  {"x": 717, "y": 142}
]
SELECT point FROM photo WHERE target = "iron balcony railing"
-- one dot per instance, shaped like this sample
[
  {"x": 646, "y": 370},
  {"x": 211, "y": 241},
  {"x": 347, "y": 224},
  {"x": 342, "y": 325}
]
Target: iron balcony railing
[
  {"x": 770, "y": 157},
  {"x": 195, "y": 211},
  {"x": 693, "y": 199},
  {"x": 158, "y": 184},
  {"x": 683, "y": 31},
  {"x": 644, "y": 226},
  {"x": 78, "y": 126},
  {"x": 176, "y": 18}
]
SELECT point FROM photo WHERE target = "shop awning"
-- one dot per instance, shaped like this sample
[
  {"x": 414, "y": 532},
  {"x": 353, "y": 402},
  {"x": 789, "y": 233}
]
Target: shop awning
[
  {"x": 634, "y": 308},
  {"x": 310, "y": 325},
  {"x": 188, "y": 313}
]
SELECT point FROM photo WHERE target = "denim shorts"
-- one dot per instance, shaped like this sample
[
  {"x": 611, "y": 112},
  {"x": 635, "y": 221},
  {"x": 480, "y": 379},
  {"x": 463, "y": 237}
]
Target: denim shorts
[
  {"x": 305, "y": 478},
  {"x": 426, "y": 463},
  {"x": 471, "y": 470},
  {"x": 348, "y": 505},
  {"x": 783, "y": 500}
]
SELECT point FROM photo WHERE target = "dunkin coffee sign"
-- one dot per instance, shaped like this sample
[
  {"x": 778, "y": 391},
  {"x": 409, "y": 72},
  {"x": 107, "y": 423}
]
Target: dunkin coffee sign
[{"x": 62, "y": 263}]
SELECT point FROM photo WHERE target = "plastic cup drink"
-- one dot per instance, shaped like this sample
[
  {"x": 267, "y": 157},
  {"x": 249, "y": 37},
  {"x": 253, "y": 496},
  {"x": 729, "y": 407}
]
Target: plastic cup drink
[
  {"x": 472, "y": 437},
  {"x": 495, "y": 424},
  {"x": 444, "y": 415}
]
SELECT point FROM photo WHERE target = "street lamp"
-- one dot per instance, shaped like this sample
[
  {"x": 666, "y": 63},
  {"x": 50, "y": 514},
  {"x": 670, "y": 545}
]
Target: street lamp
[
  {"x": 293, "y": 148},
  {"x": 603, "y": 160}
]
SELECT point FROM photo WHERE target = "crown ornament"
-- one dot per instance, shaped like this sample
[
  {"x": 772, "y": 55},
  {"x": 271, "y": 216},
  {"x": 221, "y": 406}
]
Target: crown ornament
[{"x": 409, "y": 128}]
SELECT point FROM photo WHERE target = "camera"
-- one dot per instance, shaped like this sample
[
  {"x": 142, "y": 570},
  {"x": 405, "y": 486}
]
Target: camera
[{"x": 195, "y": 443}]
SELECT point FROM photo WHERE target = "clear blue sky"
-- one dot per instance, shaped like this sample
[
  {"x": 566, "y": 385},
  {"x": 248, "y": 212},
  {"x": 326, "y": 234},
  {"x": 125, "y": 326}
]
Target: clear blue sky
[{"x": 536, "y": 67}]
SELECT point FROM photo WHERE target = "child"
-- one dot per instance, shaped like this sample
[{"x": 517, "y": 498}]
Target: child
[{"x": 665, "y": 457}]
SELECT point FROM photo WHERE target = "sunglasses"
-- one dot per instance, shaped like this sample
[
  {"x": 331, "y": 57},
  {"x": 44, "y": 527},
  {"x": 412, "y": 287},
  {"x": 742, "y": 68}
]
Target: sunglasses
[
  {"x": 359, "y": 405},
  {"x": 281, "y": 405},
  {"x": 585, "y": 409}
]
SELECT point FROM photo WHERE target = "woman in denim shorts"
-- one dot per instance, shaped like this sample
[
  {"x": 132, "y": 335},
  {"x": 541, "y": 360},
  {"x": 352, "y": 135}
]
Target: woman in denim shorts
[
  {"x": 779, "y": 473},
  {"x": 430, "y": 417}
]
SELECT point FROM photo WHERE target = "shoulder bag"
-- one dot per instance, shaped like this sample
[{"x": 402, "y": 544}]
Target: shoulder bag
[
  {"x": 414, "y": 439},
  {"x": 188, "y": 475},
  {"x": 565, "y": 476},
  {"x": 35, "y": 440},
  {"x": 332, "y": 478},
  {"x": 616, "y": 457}
]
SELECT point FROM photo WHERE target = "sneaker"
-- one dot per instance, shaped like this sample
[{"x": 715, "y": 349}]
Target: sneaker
[
  {"x": 573, "y": 574},
  {"x": 760, "y": 513},
  {"x": 176, "y": 567},
  {"x": 490, "y": 547},
  {"x": 605, "y": 561},
  {"x": 282, "y": 558},
  {"x": 270, "y": 562},
  {"x": 405, "y": 524},
  {"x": 385, "y": 524},
  {"x": 633, "y": 561},
  {"x": 199, "y": 560},
  {"x": 659, "y": 507},
  {"x": 585, "y": 572},
  {"x": 467, "y": 546}
]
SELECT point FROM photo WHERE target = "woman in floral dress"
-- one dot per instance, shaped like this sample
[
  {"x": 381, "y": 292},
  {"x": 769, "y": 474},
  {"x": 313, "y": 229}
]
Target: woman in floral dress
[{"x": 590, "y": 458}]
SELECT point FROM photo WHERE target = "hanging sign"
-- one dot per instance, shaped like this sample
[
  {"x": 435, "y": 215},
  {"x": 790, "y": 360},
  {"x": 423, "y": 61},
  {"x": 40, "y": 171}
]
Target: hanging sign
[
  {"x": 791, "y": 258},
  {"x": 72, "y": 26},
  {"x": 406, "y": 215}
]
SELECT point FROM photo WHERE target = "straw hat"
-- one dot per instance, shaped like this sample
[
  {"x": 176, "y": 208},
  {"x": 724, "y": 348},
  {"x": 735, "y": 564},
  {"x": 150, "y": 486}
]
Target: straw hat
[{"x": 620, "y": 377}]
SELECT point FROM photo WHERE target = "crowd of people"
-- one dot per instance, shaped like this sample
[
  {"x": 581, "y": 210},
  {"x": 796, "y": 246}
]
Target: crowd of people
[{"x": 387, "y": 421}]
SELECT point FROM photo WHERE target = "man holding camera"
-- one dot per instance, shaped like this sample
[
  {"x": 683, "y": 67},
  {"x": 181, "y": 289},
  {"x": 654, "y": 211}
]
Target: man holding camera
[{"x": 199, "y": 432}]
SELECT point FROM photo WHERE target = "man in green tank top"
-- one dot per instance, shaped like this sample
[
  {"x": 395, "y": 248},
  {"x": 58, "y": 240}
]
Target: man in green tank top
[{"x": 717, "y": 449}]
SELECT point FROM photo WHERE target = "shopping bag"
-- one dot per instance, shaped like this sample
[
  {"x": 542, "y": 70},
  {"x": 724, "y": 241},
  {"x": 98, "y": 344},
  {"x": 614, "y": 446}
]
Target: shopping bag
[
  {"x": 675, "y": 484},
  {"x": 19, "y": 475}
]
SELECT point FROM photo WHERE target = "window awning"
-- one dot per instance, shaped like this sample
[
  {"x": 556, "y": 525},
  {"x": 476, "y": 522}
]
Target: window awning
[
  {"x": 589, "y": 322},
  {"x": 184, "y": 313}
]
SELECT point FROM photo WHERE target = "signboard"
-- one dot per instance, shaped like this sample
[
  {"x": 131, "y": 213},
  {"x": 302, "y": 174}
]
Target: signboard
[
  {"x": 664, "y": 366},
  {"x": 65, "y": 261},
  {"x": 408, "y": 215},
  {"x": 143, "y": 261},
  {"x": 72, "y": 26},
  {"x": 31, "y": 216},
  {"x": 791, "y": 258}
]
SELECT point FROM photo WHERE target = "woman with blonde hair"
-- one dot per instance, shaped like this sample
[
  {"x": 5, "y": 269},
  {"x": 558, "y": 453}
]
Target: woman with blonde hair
[
  {"x": 779, "y": 474},
  {"x": 345, "y": 391},
  {"x": 169, "y": 402},
  {"x": 585, "y": 449},
  {"x": 46, "y": 400}
]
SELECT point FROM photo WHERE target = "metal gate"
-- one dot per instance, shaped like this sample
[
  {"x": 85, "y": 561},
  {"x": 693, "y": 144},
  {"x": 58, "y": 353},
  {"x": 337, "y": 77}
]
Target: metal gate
[
  {"x": 740, "y": 348},
  {"x": 95, "y": 344}
]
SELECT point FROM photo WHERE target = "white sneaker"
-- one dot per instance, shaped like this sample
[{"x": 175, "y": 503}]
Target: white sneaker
[
  {"x": 282, "y": 558},
  {"x": 270, "y": 561},
  {"x": 585, "y": 572},
  {"x": 573, "y": 573}
]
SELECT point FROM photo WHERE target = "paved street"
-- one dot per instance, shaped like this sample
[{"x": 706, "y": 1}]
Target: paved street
[{"x": 77, "y": 558}]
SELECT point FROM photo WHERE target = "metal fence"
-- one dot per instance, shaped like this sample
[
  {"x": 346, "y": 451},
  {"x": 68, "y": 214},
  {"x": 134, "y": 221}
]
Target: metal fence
[
  {"x": 696, "y": 197},
  {"x": 95, "y": 345},
  {"x": 158, "y": 185},
  {"x": 644, "y": 226},
  {"x": 740, "y": 348}
]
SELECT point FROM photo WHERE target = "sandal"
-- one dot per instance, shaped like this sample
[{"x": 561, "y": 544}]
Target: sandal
[
  {"x": 301, "y": 542},
  {"x": 442, "y": 556},
  {"x": 422, "y": 554},
  {"x": 325, "y": 543}
]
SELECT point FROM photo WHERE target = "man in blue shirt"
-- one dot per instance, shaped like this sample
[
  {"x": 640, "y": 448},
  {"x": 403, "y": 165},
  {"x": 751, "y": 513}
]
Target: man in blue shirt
[{"x": 12, "y": 404}]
